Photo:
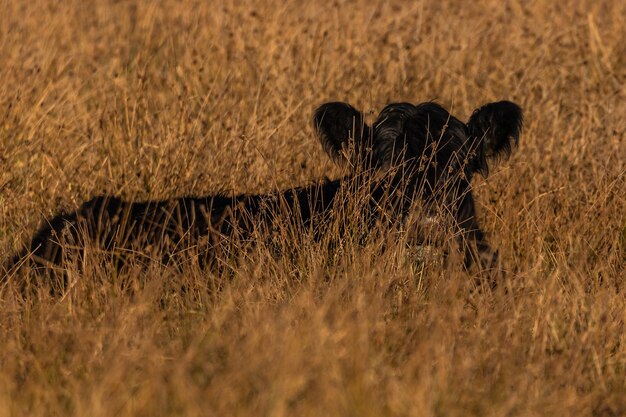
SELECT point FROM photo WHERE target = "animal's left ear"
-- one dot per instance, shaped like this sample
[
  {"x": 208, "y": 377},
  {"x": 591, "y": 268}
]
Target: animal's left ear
[
  {"x": 495, "y": 129},
  {"x": 341, "y": 131}
]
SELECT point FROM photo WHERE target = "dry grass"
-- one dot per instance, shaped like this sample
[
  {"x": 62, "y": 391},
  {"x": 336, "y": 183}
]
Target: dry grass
[{"x": 157, "y": 99}]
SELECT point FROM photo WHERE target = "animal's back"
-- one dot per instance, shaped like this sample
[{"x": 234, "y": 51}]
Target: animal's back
[{"x": 112, "y": 224}]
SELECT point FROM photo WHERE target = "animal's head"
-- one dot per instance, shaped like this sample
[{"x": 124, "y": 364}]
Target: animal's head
[{"x": 424, "y": 140}]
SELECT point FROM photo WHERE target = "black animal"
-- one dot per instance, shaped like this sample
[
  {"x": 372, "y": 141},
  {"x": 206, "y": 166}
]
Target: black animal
[{"x": 411, "y": 154}]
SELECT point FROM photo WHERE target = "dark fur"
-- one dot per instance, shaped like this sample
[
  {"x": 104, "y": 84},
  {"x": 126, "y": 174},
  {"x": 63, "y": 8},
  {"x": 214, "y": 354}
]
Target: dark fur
[
  {"x": 432, "y": 153},
  {"x": 411, "y": 153}
]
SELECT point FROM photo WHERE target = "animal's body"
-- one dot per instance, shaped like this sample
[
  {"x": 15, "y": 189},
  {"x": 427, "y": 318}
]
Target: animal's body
[{"x": 411, "y": 154}]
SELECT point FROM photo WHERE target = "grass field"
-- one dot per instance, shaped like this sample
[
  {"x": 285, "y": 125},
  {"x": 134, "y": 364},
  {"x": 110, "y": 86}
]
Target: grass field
[{"x": 161, "y": 99}]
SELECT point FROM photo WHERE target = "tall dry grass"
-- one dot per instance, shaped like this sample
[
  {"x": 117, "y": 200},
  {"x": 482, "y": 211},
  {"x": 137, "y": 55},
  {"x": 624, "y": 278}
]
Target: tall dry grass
[{"x": 159, "y": 99}]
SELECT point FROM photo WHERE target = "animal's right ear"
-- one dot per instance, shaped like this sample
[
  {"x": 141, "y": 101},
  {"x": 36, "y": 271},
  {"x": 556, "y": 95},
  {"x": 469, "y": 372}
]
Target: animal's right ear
[{"x": 341, "y": 131}]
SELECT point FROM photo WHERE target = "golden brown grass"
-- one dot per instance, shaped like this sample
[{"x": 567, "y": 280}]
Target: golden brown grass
[{"x": 158, "y": 99}]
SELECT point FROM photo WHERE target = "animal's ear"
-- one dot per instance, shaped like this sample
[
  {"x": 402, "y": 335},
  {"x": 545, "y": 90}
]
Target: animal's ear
[
  {"x": 495, "y": 129},
  {"x": 342, "y": 132}
]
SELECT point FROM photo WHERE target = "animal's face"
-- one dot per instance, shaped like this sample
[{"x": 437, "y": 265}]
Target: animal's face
[{"x": 426, "y": 153}]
